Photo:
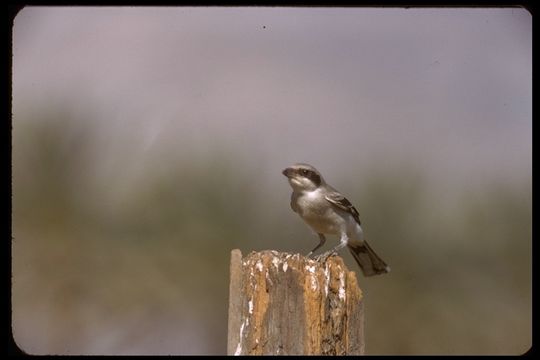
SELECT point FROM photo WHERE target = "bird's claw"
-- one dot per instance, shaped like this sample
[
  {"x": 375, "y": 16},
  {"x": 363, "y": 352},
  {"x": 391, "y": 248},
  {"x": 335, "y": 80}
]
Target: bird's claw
[{"x": 324, "y": 256}]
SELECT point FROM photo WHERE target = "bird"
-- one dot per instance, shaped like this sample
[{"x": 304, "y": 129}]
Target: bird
[{"x": 328, "y": 212}]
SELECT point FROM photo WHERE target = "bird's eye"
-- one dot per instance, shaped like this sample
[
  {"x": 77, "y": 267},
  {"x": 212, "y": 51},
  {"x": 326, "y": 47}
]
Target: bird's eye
[{"x": 304, "y": 172}]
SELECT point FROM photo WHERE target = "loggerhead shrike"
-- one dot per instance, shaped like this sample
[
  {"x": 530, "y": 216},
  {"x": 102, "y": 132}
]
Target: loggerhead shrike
[{"x": 326, "y": 211}]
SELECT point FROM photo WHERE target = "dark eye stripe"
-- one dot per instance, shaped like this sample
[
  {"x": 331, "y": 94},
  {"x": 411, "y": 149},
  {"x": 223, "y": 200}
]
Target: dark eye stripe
[{"x": 313, "y": 176}]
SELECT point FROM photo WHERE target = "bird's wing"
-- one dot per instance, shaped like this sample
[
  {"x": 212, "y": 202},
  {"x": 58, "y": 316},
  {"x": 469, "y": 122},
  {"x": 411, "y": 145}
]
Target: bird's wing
[{"x": 341, "y": 202}]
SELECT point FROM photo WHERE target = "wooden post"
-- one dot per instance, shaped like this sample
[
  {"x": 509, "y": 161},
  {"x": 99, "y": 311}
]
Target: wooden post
[{"x": 284, "y": 304}]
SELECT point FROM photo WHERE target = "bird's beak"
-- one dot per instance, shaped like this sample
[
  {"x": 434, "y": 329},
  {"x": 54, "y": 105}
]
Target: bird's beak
[{"x": 287, "y": 172}]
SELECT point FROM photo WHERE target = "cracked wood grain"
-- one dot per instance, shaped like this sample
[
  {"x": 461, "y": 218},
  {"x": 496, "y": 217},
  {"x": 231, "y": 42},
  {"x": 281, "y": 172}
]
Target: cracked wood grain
[{"x": 285, "y": 304}]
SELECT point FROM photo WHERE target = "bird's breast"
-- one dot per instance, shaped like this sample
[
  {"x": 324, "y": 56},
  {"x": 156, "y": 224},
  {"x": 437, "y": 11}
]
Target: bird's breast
[{"x": 317, "y": 212}]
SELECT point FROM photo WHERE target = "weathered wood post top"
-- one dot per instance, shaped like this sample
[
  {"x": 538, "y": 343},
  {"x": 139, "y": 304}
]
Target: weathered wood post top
[{"x": 285, "y": 304}]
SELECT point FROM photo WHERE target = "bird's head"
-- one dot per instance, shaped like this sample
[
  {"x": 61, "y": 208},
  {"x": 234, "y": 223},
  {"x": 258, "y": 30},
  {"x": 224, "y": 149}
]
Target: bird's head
[{"x": 303, "y": 177}]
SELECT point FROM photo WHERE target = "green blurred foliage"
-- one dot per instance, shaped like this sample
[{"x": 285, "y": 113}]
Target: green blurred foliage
[{"x": 112, "y": 265}]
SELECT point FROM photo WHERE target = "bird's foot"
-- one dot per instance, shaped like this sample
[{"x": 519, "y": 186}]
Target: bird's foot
[{"x": 324, "y": 256}]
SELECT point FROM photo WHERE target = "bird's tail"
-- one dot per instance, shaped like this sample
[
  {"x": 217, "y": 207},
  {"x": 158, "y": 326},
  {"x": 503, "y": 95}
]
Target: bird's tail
[{"x": 370, "y": 263}]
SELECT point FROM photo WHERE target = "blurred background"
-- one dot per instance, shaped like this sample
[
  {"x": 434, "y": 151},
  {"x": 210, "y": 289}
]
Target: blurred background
[{"x": 149, "y": 142}]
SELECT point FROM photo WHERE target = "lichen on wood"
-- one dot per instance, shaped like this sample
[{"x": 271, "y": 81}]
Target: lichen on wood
[{"x": 285, "y": 304}]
